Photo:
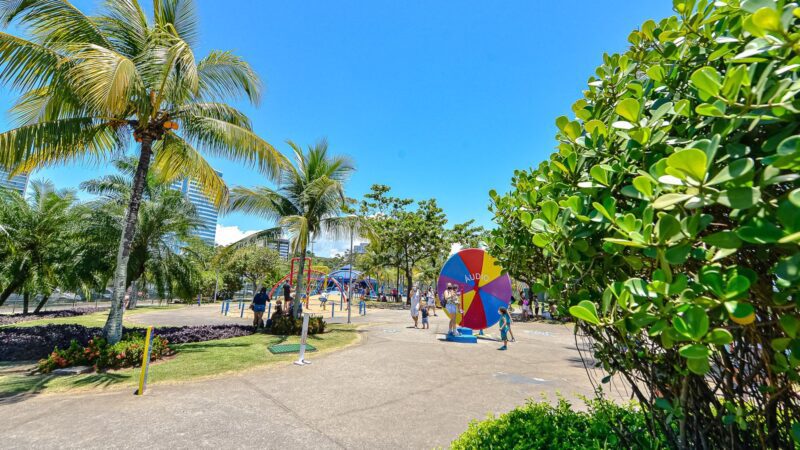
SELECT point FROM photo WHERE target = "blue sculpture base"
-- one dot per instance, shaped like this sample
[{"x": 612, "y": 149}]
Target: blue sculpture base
[{"x": 464, "y": 338}]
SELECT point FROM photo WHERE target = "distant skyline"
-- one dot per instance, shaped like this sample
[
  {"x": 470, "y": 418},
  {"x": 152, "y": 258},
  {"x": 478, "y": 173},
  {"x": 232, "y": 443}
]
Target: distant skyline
[{"x": 437, "y": 99}]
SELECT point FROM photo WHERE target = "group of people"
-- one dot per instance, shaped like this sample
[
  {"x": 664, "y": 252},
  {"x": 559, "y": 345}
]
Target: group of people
[
  {"x": 262, "y": 299},
  {"x": 423, "y": 303}
]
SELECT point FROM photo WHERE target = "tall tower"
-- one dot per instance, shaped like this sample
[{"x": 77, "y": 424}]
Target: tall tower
[
  {"x": 206, "y": 210},
  {"x": 18, "y": 183}
]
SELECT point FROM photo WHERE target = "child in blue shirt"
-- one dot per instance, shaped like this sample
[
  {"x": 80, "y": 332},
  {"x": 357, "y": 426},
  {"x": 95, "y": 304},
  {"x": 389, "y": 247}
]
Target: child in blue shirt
[{"x": 505, "y": 326}]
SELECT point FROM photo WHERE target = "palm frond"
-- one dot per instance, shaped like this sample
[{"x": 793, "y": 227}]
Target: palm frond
[
  {"x": 25, "y": 148},
  {"x": 299, "y": 231},
  {"x": 52, "y": 22},
  {"x": 261, "y": 201},
  {"x": 214, "y": 110},
  {"x": 233, "y": 141},
  {"x": 224, "y": 75},
  {"x": 105, "y": 80},
  {"x": 180, "y": 16},
  {"x": 176, "y": 159},
  {"x": 126, "y": 25},
  {"x": 27, "y": 65}
]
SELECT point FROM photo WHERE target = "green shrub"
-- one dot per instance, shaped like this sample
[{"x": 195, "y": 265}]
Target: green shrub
[
  {"x": 543, "y": 426},
  {"x": 126, "y": 353},
  {"x": 286, "y": 326},
  {"x": 668, "y": 221}
]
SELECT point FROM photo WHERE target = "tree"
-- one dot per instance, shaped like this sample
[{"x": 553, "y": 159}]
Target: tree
[
  {"x": 165, "y": 223},
  {"x": 40, "y": 242},
  {"x": 670, "y": 221},
  {"x": 407, "y": 235},
  {"x": 259, "y": 265},
  {"x": 307, "y": 201},
  {"x": 467, "y": 235},
  {"x": 88, "y": 85}
]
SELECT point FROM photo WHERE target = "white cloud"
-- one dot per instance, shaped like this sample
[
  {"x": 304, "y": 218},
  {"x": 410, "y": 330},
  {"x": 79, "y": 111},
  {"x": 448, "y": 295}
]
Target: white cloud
[
  {"x": 230, "y": 234},
  {"x": 328, "y": 248}
]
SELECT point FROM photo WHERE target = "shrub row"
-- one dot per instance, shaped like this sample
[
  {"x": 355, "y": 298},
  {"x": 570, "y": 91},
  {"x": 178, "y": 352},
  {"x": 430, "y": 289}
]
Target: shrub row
[
  {"x": 542, "y": 425},
  {"x": 10, "y": 319},
  {"x": 290, "y": 326},
  {"x": 33, "y": 343}
]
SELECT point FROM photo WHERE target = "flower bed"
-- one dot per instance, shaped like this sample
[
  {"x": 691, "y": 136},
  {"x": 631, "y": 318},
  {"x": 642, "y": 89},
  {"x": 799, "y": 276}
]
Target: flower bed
[
  {"x": 33, "y": 343},
  {"x": 10, "y": 319},
  {"x": 99, "y": 354}
]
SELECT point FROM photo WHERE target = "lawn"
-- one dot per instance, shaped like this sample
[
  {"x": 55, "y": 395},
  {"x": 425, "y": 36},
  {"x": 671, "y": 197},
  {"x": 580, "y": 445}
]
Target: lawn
[
  {"x": 97, "y": 319},
  {"x": 192, "y": 361}
]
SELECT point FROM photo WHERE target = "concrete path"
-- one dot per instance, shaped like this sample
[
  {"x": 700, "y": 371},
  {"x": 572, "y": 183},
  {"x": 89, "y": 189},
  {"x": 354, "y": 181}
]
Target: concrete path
[{"x": 399, "y": 388}]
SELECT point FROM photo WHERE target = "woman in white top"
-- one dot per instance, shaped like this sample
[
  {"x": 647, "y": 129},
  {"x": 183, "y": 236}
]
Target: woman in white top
[
  {"x": 453, "y": 299},
  {"x": 415, "y": 307}
]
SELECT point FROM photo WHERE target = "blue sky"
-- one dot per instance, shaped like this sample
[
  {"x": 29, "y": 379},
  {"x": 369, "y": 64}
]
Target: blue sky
[{"x": 439, "y": 99}]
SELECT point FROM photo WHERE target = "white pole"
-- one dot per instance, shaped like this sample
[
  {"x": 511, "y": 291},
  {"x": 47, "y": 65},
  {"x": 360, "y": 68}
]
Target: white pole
[
  {"x": 350, "y": 285},
  {"x": 301, "y": 359}
]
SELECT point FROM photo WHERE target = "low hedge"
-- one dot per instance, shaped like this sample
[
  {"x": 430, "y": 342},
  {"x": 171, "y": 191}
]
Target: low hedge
[
  {"x": 34, "y": 343},
  {"x": 540, "y": 425},
  {"x": 10, "y": 319},
  {"x": 286, "y": 326}
]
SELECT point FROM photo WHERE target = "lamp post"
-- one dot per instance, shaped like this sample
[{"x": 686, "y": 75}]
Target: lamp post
[{"x": 350, "y": 277}]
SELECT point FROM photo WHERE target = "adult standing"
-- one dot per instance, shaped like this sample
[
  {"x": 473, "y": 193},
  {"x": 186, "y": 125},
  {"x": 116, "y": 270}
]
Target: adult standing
[
  {"x": 259, "y": 305},
  {"x": 431, "y": 301},
  {"x": 415, "y": 306},
  {"x": 452, "y": 306}
]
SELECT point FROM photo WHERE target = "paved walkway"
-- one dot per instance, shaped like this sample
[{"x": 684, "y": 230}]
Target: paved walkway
[{"x": 399, "y": 388}]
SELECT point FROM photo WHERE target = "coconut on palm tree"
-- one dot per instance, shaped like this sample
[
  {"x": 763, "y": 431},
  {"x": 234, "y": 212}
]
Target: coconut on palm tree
[
  {"x": 307, "y": 202},
  {"x": 89, "y": 86}
]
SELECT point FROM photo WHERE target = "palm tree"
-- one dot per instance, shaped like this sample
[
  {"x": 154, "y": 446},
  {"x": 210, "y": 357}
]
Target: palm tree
[
  {"x": 89, "y": 85},
  {"x": 307, "y": 202},
  {"x": 166, "y": 220},
  {"x": 42, "y": 240}
]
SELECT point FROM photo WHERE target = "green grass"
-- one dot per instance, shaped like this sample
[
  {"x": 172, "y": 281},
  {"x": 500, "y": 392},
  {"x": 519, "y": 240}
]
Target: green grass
[
  {"x": 192, "y": 361},
  {"x": 97, "y": 319}
]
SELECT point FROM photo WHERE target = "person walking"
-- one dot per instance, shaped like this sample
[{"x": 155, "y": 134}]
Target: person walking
[
  {"x": 526, "y": 308},
  {"x": 424, "y": 312},
  {"x": 415, "y": 307},
  {"x": 505, "y": 326},
  {"x": 259, "y": 305}
]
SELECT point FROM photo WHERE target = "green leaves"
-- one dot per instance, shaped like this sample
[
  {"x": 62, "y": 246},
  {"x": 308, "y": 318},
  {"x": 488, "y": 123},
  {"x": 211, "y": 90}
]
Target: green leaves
[
  {"x": 733, "y": 171},
  {"x": 586, "y": 311},
  {"x": 767, "y": 19},
  {"x": 688, "y": 163},
  {"x": 707, "y": 81},
  {"x": 693, "y": 324},
  {"x": 629, "y": 109}
]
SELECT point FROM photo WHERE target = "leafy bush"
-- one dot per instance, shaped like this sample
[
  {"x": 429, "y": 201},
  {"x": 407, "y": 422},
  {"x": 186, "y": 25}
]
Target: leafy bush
[
  {"x": 543, "y": 426},
  {"x": 669, "y": 220},
  {"x": 97, "y": 353},
  {"x": 290, "y": 326},
  {"x": 33, "y": 343}
]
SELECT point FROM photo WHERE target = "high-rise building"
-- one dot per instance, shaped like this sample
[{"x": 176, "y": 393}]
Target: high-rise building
[
  {"x": 205, "y": 208},
  {"x": 280, "y": 245},
  {"x": 360, "y": 249},
  {"x": 18, "y": 183}
]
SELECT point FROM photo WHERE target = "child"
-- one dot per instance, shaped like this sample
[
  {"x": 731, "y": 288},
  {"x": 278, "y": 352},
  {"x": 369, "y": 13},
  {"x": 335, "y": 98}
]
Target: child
[
  {"x": 424, "y": 310},
  {"x": 505, "y": 326}
]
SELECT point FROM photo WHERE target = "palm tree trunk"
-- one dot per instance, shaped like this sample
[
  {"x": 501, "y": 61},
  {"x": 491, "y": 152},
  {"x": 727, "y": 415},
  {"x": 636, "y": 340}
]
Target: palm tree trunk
[
  {"x": 299, "y": 285},
  {"x": 134, "y": 294},
  {"x": 41, "y": 304},
  {"x": 13, "y": 286},
  {"x": 112, "y": 330},
  {"x": 26, "y": 298}
]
